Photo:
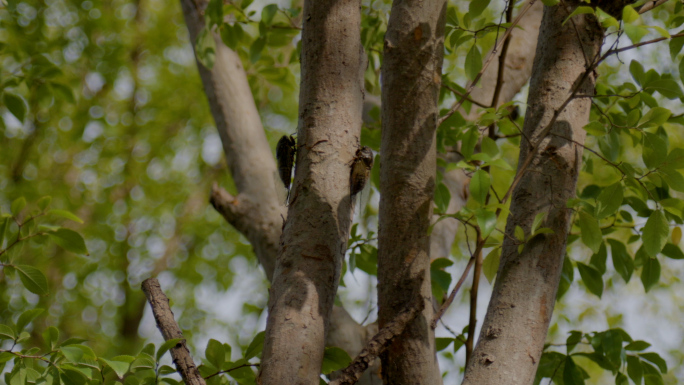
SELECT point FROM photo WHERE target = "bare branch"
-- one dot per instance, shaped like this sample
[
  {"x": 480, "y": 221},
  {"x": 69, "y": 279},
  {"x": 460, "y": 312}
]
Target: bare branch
[
  {"x": 169, "y": 329},
  {"x": 352, "y": 373}
]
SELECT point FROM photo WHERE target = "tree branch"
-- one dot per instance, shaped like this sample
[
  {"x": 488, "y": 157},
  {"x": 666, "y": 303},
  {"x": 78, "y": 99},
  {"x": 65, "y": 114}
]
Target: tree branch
[
  {"x": 352, "y": 373},
  {"x": 169, "y": 329}
]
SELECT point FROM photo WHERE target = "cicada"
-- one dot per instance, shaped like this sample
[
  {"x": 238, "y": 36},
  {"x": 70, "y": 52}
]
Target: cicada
[
  {"x": 286, "y": 150},
  {"x": 360, "y": 173},
  {"x": 360, "y": 170}
]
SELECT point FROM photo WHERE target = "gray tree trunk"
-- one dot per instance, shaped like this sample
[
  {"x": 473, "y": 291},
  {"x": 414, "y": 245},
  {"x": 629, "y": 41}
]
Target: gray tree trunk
[
  {"x": 517, "y": 320},
  {"x": 411, "y": 74},
  {"x": 256, "y": 211},
  {"x": 314, "y": 239}
]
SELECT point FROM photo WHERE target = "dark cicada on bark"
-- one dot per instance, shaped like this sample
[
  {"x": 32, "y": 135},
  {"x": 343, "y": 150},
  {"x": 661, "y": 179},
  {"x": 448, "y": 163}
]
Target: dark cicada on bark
[
  {"x": 286, "y": 149},
  {"x": 360, "y": 170}
]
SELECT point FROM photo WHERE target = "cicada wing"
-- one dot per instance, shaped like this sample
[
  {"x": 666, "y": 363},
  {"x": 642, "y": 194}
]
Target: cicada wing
[
  {"x": 281, "y": 191},
  {"x": 363, "y": 199}
]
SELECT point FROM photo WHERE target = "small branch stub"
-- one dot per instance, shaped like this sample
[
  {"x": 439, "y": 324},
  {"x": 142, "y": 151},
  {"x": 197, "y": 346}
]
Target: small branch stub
[{"x": 169, "y": 329}]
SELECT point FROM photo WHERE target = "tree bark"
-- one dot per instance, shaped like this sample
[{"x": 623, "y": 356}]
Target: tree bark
[
  {"x": 255, "y": 211},
  {"x": 517, "y": 320},
  {"x": 411, "y": 73},
  {"x": 169, "y": 329},
  {"x": 244, "y": 142},
  {"x": 315, "y": 236}
]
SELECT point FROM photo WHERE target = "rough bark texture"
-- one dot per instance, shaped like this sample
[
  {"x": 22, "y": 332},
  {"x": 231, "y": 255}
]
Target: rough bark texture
[
  {"x": 517, "y": 72},
  {"x": 412, "y": 70},
  {"x": 517, "y": 320},
  {"x": 244, "y": 143},
  {"x": 169, "y": 329},
  {"x": 315, "y": 236}
]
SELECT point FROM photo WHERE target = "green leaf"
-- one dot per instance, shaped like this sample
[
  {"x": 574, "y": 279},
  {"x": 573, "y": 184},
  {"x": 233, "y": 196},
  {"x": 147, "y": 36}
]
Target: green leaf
[
  {"x": 473, "y": 62},
  {"x": 63, "y": 92},
  {"x": 205, "y": 48},
  {"x": 7, "y": 333},
  {"x": 612, "y": 346},
  {"x": 622, "y": 261},
  {"x": 672, "y": 251},
  {"x": 666, "y": 87},
  {"x": 656, "y": 116},
  {"x": 334, "y": 359},
  {"x": 571, "y": 373},
  {"x": 537, "y": 222},
  {"x": 673, "y": 178},
  {"x": 519, "y": 233},
  {"x": 26, "y": 317},
  {"x": 489, "y": 147},
  {"x": 598, "y": 260},
  {"x": 650, "y": 273},
  {"x": 490, "y": 265},
  {"x": 256, "y": 346},
  {"x": 629, "y": 15},
  {"x": 476, "y": 7},
  {"x": 486, "y": 220},
  {"x": 579, "y": 11},
  {"x": 268, "y": 13},
  {"x": 4, "y": 224},
  {"x": 654, "y": 234},
  {"x": 33, "y": 279},
  {"x": 69, "y": 240},
  {"x": 634, "y": 369},
  {"x": 66, "y": 215},
  {"x": 609, "y": 201},
  {"x": 656, "y": 359},
  {"x": 592, "y": 279},
  {"x": 591, "y": 233},
  {"x": 16, "y": 105},
  {"x": 655, "y": 150},
  {"x": 119, "y": 367},
  {"x": 651, "y": 375},
  {"x": 256, "y": 49},
  {"x": 442, "y": 343},
  {"x": 637, "y": 71},
  {"x": 168, "y": 344},
  {"x": 18, "y": 205},
  {"x": 479, "y": 186},
  {"x": 44, "y": 202},
  {"x": 51, "y": 336},
  {"x": 573, "y": 339},
  {"x": 442, "y": 197},
  {"x": 215, "y": 353},
  {"x": 638, "y": 346}
]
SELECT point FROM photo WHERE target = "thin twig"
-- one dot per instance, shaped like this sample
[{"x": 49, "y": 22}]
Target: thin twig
[
  {"x": 472, "y": 324},
  {"x": 452, "y": 295},
  {"x": 502, "y": 66}
]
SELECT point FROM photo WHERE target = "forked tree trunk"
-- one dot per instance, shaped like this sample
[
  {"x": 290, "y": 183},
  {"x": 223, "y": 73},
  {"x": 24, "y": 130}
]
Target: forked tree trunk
[
  {"x": 517, "y": 320},
  {"x": 314, "y": 239},
  {"x": 411, "y": 74}
]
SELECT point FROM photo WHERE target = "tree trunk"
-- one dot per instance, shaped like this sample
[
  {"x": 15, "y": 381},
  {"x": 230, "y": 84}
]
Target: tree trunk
[
  {"x": 244, "y": 142},
  {"x": 517, "y": 320},
  {"x": 315, "y": 236},
  {"x": 411, "y": 74}
]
